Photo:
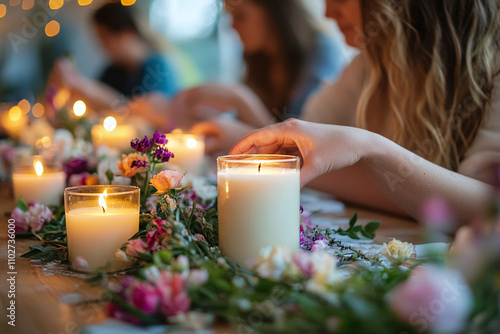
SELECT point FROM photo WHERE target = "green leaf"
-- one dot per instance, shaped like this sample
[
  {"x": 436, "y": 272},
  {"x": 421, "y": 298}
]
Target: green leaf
[
  {"x": 372, "y": 227},
  {"x": 353, "y": 220},
  {"x": 21, "y": 204},
  {"x": 110, "y": 176}
]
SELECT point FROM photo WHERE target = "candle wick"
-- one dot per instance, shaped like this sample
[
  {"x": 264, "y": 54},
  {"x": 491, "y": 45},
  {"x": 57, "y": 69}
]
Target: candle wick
[
  {"x": 260, "y": 165},
  {"x": 103, "y": 209}
]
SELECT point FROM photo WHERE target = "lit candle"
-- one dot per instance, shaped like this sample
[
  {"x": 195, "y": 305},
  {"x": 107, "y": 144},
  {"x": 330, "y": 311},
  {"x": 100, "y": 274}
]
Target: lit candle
[
  {"x": 113, "y": 135},
  {"x": 188, "y": 150},
  {"x": 259, "y": 205},
  {"x": 99, "y": 220},
  {"x": 39, "y": 183}
]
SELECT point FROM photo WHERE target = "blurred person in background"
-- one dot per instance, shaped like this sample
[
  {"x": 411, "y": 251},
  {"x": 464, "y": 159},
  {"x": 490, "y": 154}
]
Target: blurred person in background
[
  {"x": 136, "y": 65},
  {"x": 287, "y": 56}
]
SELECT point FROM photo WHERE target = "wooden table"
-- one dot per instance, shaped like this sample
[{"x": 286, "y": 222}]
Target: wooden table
[{"x": 38, "y": 295}]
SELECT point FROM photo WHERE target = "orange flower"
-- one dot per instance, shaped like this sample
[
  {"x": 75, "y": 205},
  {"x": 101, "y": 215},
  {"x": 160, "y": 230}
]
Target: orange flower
[
  {"x": 166, "y": 180},
  {"x": 125, "y": 165}
]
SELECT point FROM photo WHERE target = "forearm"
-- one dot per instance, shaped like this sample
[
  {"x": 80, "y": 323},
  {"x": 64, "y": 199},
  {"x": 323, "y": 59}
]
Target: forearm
[
  {"x": 99, "y": 95},
  {"x": 409, "y": 180}
]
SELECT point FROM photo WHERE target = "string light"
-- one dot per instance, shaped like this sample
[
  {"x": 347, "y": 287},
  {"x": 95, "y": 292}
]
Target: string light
[
  {"x": 128, "y": 2},
  {"x": 52, "y": 28},
  {"x": 84, "y": 2},
  {"x": 56, "y": 4},
  {"x": 79, "y": 108},
  {"x": 28, "y": 4},
  {"x": 24, "y": 105},
  {"x": 109, "y": 123}
]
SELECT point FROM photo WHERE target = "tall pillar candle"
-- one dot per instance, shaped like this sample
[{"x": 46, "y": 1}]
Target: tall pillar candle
[
  {"x": 259, "y": 205},
  {"x": 99, "y": 220}
]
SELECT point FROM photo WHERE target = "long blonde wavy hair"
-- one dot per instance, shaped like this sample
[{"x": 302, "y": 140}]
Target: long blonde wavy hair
[{"x": 435, "y": 62}]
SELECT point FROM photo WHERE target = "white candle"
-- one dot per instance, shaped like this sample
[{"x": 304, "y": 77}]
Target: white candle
[
  {"x": 259, "y": 207},
  {"x": 39, "y": 184},
  {"x": 112, "y": 135},
  {"x": 188, "y": 150},
  {"x": 96, "y": 232}
]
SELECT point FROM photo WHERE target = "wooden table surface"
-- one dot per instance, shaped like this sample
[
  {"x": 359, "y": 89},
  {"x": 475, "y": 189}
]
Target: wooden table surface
[{"x": 40, "y": 310}]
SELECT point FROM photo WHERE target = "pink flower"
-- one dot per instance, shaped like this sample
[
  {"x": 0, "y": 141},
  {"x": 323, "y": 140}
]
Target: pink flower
[
  {"x": 433, "y": 299},
  {"x": 305, "y": 263},
  {"x": 21, "y": 223},
  {"x": 199, "y": 237},
  {"x": 145, "y": 297},
  {"x": 135, "y": 246},
  {"x": 319, "y": 245},
  {"x": 437, "y": 214},
  {"x": 166, "y": 180},
  {"x": 173, "y": 297}
]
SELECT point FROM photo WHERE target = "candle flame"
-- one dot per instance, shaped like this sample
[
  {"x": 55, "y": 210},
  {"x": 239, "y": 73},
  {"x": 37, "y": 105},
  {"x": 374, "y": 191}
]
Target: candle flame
[
  {"x": 102, "y": 202},
  {"x": 191, "y": 143},
  {"x": 38, "y": 168},
  {"x": 109, "y": 123}
]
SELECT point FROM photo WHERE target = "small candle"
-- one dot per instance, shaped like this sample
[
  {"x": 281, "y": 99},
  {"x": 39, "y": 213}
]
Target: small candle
[
  {"x": 39, "y": 183},
  {"x": 188, "y": 150},
  {"x": 259, "y": 205},
  {"x": 112, "y": 135},
  {"x": 99, "y": 220}
]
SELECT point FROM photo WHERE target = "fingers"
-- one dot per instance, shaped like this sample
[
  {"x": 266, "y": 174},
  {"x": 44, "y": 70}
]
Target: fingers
[{"x": 207, "y": 129}]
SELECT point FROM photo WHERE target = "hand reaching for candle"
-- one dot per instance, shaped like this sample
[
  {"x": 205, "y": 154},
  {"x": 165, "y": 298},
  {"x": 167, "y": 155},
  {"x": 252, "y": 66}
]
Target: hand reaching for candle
[{"x": 323, "y": 148}]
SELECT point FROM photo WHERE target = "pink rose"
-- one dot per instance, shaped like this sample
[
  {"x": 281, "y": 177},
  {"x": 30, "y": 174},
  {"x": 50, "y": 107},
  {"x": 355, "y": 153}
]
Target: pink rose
[
  {"x": 433, "y": 299},
  {"x": 199, "y": 237},
  {"x": 145, "y": 297},
  {"x": 33, "y": 219},
  {"x": 166, "y": 180},
  {"x": 173, "y": 296},
  {"x": 21, "y": 224},
  {"x": 135, "y": 246}
]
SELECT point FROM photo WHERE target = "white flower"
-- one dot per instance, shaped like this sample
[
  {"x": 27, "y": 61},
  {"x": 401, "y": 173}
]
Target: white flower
[
  {"x": 197, "y": 277},
  {"x": 319, "y": 245},
  {"x": 396, "y": 251},
  {"x": 152, "y": 274},
  {"x": 274, "y": 263},
  {"x": 206, "y": 191},
  {"x": 325, "y": 274},
  {"x": 121, "y": 255}
]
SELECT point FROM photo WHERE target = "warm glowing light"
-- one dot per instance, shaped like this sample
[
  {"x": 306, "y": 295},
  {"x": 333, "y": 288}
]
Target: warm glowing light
[
  {"x": 15, "y": 113},
  {"x": 191, "y": 143},
  {"x": 28, "y": 4},
  {"x": 3, "y": 10},
  {"x": 79, "y": 108},
  {"x": 38, "y": 110},
  {"x": 84, "y": 2},
  {"x": 128, "y": 2},
  {"x": 25, "y": 106},
  {"x": 14, "y": 3},
  {"x": 102, "y": 201},
  {"x": 56, "y": 4},
  {"x": 43, "y": 142},
  {"x": 61, "y": 98},
  {"x": 52, "y": 28},
  {"x": 109, "y": 123},
  {"x": 176, "y": 131},
  {"x": 38, "y": 168}
]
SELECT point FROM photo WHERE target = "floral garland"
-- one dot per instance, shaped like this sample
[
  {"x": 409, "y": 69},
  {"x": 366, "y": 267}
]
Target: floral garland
[{"x": 184, "y": 281}]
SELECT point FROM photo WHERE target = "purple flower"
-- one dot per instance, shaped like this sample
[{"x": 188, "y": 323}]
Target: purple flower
[
  {"x": 75, "y": 166},
  {"x": 141, "y": 145},
  {"x": 163, "y": 154},
  {"x": 139, "y": 164},
  {"x": 159, "y": 139}
]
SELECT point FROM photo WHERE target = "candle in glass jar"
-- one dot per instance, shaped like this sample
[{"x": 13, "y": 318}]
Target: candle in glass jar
[
  {"x": 112, "y": 135},
  {"x": 259, "y": 205},
  {"x": 98, "y": 224},
  {"x": 41, "y": 184},
  {"x": 188, "y": 150}
]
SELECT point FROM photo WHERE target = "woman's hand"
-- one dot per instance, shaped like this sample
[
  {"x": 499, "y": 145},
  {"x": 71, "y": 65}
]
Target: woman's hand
[
  {"x": 323, "y": 148},
  {"x": 221, "y": 133}
]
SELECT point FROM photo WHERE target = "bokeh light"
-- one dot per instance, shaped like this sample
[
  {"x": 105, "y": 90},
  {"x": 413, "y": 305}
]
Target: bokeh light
[
  {"x": 25, "y": 106},
  {"x": 109, "y": 123},
  {"x": 28, "y": 4},
  {"x": 56, "y": 4},
  {"x": 3, "y": 10},
  {"x": 15, "y": 113},
  {"x": 79, "y": 108},
  {"x": 128, "y": 2},
  {"x": 84, "y": 2},
  {"x": 52, "y": 28},
  {"x": 38, "y": 110},
  {"x": 191, "y": 143}
]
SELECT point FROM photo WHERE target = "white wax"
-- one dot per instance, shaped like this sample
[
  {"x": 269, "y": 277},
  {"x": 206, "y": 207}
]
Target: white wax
[
  {"x": 96, "y": 236},
  {"x": 47, "y": 188},
  {"x": 119, "y": 138},
  {"x": 258, "y": 210},
  {"x": 189, "y": 158}
]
